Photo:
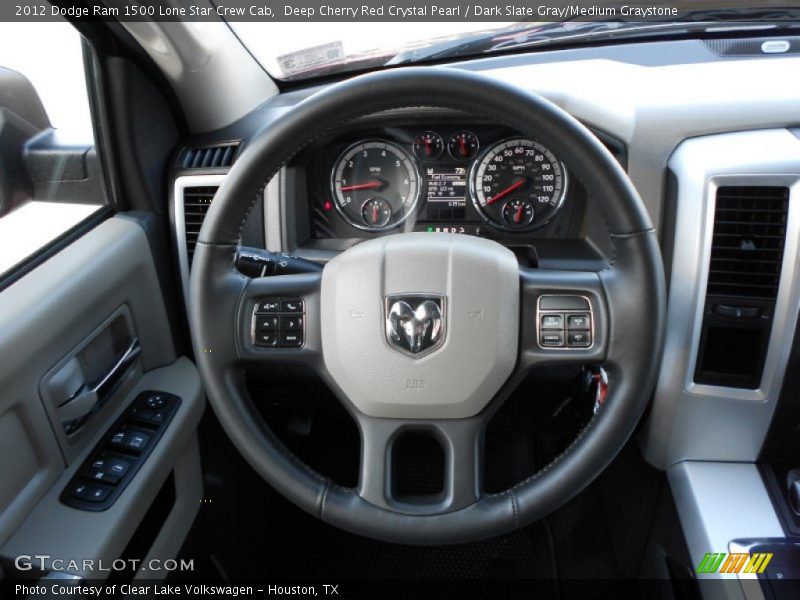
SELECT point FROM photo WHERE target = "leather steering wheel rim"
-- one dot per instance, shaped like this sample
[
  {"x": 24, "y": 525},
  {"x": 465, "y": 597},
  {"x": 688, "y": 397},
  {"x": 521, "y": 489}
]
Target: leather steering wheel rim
[{"x": 632, "y": 283}]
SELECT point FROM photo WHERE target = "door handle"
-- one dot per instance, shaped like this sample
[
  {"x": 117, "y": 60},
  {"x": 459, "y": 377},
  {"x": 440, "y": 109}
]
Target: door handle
[{"x": 90, "y": 395}]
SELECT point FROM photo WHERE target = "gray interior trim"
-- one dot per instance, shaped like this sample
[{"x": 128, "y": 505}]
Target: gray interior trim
[
  {"x": 44, "y": 316},
  {"x": 680, "y": 425},
  {"x": 717, "y": 503},
  {"x": 181, "y": 183},
  {"x": 273, "y": 213},
  {"x": 72, "y": 444},
  {"x": 60, "y": 531},
  {"x": 188, "y": 497},
  {"x": 202, "y": 62}
]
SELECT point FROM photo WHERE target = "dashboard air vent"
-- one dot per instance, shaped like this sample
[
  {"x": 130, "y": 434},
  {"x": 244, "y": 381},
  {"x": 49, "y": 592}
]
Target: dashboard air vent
[
  {"x": 196, "y": 201},
  {"x": 208, "y": 157},
  {"x": 749, "y": 236}
]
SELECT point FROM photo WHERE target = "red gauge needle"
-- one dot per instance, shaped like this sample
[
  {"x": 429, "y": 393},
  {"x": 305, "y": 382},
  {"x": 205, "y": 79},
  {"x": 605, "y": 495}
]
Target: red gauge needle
[
  {"x": 505, "y": 192},
  {"x": 518, "y": 214},
  {"x": 427, "y": 147},
  {"x": 372, "y": 185},
  {"x": 462, "y": 146},
  {"x": 375, "y": 213}
]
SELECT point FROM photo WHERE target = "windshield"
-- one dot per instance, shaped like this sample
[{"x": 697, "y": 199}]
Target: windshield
[
  {"x": 298, "y": 50},
  {"x": 286, "y": 52}
]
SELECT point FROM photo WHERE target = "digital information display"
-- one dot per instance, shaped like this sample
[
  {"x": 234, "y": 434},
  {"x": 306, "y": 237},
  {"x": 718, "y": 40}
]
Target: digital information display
[
  {"x": 447, "y": 192},
  {"x": 447, "y": 186}
]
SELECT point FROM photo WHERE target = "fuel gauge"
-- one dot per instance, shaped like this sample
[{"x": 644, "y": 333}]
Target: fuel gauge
[{"x": 376, "y": 212}]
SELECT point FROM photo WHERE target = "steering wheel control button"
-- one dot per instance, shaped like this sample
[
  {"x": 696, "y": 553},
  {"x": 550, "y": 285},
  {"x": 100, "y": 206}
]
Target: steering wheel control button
[
  {"x": 272, "y": 305},
  {"x": 579, "y": 339},
  {"x": 552, "y": 339},
  {"x": 579, "y": 322},
  {"x": 266, "y": 339},
  {"x": 283, "y": 327},
  {"x": 564, "y": 322},
  {"x": 563, "y": 303},
  {"x": 552, "y": 322},
  {"x": 291, "y": 340},
  {"x": 266, "y": 323},
  {"x": 291, "y": 323},
  {"x": 292, "y": 306}
]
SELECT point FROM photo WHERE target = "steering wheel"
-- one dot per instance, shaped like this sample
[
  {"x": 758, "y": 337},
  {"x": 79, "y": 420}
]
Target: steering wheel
[{"x": 484, "y": 309}]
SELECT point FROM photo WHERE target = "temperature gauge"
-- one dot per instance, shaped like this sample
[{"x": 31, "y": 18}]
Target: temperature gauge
[
  {"x": 376, "y": 212},
  {"x": 518, "y": 212},
  {"x": 428, "y": 146},
  {"x": 463, "y": 145}
]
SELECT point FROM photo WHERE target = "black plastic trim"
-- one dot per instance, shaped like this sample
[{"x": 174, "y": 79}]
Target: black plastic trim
[{"x": 128, "y": 420}]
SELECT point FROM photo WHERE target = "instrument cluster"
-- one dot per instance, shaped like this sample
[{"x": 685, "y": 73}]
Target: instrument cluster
[{"x": 478, "y": 179}]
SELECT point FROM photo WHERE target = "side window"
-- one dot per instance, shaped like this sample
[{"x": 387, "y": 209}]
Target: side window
[{"x": 50, "y": 179}]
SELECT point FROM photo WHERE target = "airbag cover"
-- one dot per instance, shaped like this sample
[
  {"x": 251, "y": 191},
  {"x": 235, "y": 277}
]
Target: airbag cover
[{"x": 476, "y": 282}]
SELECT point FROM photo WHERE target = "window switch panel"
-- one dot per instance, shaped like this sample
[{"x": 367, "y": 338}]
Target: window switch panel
[{"x": 113, "y": 463}]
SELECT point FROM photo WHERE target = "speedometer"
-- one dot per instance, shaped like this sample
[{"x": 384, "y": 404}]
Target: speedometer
[
  {"x": 376, "y": 185},
  {"x": 518, "y": 185}
]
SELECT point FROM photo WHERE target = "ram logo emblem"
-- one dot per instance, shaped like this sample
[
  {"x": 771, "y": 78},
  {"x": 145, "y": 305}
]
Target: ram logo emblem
[{"x": 415, "y": 323}]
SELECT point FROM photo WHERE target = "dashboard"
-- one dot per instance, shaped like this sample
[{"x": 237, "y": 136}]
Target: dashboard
[
  {"x": 667, "y": 120},
  {"x": 437, "y": 173},
  {"x": 687, "y": 123}
]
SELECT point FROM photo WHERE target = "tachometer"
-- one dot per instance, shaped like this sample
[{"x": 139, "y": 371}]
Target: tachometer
[
  {"x": 376, "y": 185},
  {"x": 518, "y": 184}
]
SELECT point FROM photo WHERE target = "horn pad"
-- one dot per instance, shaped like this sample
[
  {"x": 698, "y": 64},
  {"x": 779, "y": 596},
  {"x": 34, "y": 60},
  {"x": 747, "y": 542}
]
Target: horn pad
[{"x": 421, "y": 325}]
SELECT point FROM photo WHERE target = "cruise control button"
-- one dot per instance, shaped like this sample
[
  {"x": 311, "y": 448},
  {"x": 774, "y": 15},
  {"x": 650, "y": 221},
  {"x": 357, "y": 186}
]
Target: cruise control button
[
  {"x": 272, "y": 305},
  {"x": 579, "y": 339},
  {"x": 266, "y": 339},
  {"x": 291, "y": 340},
  {"x": 292, "y": 306},
  {"x": 552, "y": 322},
  {"x": 582, "y": 322},
  {"x": 266, "y": 323},
  {"x": 553, "y": 339},
  {"x": 291, "y": 323}
]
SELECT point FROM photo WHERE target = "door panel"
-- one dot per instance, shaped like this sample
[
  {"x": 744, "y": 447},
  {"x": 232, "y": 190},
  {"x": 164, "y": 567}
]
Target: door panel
[{"x": 86, "y": 302}]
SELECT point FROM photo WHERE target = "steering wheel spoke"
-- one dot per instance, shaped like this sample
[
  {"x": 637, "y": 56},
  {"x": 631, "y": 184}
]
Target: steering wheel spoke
[
  {"x": 564, "y": 318},
  {"x": 278, "y": 320},
  {"x": 382, "y": 469}
]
